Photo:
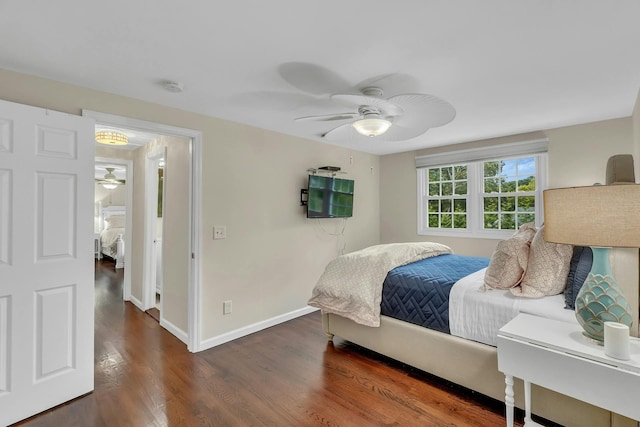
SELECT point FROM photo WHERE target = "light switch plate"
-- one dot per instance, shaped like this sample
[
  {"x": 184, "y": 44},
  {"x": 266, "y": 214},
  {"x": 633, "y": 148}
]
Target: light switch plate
[{"x": 219, "y": 232}]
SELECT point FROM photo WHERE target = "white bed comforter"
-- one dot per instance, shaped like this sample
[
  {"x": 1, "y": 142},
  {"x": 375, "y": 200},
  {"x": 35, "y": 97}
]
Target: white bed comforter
[
  {"x": 351, "y": 285},
  {"x": 477, "y": 315}
]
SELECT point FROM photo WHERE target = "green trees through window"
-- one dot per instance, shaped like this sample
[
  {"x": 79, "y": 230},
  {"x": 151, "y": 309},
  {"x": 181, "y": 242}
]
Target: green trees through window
[
  {"x": 509, "y": 193},
  {"x": 447, "y": 204},
  {"x": 498, "y": 194}
]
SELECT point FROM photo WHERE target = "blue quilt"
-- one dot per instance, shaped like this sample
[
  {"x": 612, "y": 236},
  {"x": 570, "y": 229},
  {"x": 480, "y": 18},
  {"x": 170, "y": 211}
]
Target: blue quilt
[{"x": 419, "y": 292}]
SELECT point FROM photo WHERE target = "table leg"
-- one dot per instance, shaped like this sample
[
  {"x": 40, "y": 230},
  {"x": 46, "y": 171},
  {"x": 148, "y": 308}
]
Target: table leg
[
  {"x": 527, "y": 402},
  {"x": 508, "y": 399}
]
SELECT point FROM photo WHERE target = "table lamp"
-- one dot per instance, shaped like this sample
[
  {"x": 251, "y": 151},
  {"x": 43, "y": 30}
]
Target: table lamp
[{"x": 600, "y": 216}]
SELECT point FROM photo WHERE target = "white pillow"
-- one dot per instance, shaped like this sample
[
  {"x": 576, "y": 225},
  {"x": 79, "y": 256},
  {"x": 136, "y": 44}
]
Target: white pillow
[{"x": 115, "y": 221}]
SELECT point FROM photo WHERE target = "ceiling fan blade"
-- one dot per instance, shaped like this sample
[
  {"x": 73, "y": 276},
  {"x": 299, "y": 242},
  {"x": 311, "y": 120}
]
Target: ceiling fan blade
[
  {"x": 346, "y": 132},
  {"x": 422, "y": 111},
  {"x": 330, "y": 117},
  {"x": 110, "y": 181},
  {"x": 341, "y": 132},
  {"x": 387, "y": 108},
  {"x": 281, "y": 101},
  {"x": 312, "y": 78},
  {"x": 392, "y": 84}
]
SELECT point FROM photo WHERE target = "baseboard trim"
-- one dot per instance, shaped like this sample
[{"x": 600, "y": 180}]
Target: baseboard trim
[
  {"x": 250, "y": 329},
  {"x": 135, "y": 301},
  {"x": 174, "y": 330}
]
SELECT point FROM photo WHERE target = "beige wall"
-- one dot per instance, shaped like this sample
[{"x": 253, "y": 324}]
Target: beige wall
[
  {"x": 175, "y": 242},
  {"x": 273, "y": 254},
  {"x": 251, "y": 183},
  {"x": 577, "y": 156}
]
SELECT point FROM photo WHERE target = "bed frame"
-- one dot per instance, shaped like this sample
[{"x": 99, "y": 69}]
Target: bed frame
[
  {"x": 474, "y": 365},
  {"x": 105, "y": 213}
]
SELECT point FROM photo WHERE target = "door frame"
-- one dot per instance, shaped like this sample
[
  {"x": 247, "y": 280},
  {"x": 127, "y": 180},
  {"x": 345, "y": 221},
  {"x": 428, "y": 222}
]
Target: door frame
[
  {"x": 195, "y": 197},
  {"x": 128, "y": 164},
  {"x": 152, "y": 162}
]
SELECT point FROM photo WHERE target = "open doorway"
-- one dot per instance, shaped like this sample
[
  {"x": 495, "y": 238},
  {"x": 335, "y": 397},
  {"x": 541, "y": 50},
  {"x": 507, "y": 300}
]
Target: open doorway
[
  {"x": 154, "y": 207},
  {"x": 112, "y": 201},
  {"x": 180, "y": 148}
]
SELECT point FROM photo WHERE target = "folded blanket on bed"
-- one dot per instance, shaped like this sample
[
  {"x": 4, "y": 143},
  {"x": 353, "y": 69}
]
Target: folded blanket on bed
[{"x": 351, "y": 284}]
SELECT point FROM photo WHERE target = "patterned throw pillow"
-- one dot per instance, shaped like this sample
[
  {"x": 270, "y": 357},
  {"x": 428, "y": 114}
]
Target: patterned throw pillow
[
  {"x": 509, "y": 260},
  {"x": 547, "y": 271}
]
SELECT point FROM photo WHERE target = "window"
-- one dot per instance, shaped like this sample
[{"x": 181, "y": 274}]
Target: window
[
  {"x": 447, "y": 199},
  {"x": 488, "y": 198},
  {"x": 509, "y": 193}
]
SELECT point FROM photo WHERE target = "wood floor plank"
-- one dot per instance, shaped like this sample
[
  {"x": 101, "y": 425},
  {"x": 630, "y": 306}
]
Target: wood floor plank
[{"x": 287, "y": 375}]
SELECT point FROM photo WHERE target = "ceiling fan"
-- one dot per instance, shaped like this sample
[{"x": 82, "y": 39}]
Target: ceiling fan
[
  {"x": 397, "y": 118},
  {"x": 110, "y": 181}
]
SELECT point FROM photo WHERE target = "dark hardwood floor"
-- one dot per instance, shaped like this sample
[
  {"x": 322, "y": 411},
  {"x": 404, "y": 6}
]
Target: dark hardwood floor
[{"x": 287, "y": 375}]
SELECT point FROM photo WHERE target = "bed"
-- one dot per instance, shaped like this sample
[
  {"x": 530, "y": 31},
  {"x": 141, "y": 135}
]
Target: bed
[
  {"x": 456, "y": 345},
  {"x": 112, "y": 232}
]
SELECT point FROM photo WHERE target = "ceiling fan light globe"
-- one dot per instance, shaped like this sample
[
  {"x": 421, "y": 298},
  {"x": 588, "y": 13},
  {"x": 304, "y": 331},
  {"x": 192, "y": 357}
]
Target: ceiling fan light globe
[
  {"x": 109, "y": 186},
  {"x": 371, "y": 126}
]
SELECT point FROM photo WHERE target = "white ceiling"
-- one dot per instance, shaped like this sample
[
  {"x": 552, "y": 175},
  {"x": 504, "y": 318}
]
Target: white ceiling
[{"x": 506, "y": 66}]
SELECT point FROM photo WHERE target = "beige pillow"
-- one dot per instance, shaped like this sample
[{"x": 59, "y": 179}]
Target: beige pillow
[
  {"x": 509, "y": 260},
  {"x": 548, "y": 268}
]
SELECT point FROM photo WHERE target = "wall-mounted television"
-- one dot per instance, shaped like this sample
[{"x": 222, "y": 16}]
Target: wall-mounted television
[{"x": 330, "y": 197}]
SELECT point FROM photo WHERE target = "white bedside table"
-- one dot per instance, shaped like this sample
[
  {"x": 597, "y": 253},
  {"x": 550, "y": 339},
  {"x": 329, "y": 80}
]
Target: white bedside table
[{"x": 555, "y": 355}]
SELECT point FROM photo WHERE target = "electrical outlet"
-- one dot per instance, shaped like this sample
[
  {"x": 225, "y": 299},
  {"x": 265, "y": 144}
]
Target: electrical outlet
[
  {"x": 226, "y": 307},
  {"x": 219, "y": 232}
]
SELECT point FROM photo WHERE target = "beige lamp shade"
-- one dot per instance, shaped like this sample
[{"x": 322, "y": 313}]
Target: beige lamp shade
[{"x": 600, "y": 215}]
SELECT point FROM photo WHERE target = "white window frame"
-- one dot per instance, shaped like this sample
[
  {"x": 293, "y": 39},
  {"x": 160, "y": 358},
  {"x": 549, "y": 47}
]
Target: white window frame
[{"x": 475, "y": 203}]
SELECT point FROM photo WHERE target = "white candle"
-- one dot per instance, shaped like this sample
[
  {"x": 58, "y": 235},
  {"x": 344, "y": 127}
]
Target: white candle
[{"x": 616, "y": 340}]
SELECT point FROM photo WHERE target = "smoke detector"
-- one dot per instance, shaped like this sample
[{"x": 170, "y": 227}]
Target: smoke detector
[{"x": 171, "y": 86}]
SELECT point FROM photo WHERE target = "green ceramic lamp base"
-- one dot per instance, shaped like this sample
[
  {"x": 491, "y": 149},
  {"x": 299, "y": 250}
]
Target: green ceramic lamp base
[{"x": 601, "y": 299}]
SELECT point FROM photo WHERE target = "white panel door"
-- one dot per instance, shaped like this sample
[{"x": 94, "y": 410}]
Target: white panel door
[{"x": 46, "y": 259}]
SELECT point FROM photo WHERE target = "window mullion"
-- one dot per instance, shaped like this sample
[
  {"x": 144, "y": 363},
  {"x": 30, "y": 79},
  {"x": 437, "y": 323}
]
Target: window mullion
[{"x": 477, "y": 197}]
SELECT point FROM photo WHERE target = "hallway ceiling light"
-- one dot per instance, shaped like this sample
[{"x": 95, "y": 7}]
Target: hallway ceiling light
[{"x": 111, "y": 138}]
